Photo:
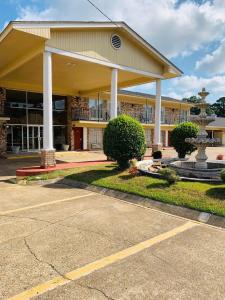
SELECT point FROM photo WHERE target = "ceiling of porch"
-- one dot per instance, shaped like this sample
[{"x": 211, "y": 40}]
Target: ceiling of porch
[{"x": 70, "y": 76}]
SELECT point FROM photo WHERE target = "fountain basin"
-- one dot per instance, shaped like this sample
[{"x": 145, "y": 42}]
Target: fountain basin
[{"x": 189, "y": 169}]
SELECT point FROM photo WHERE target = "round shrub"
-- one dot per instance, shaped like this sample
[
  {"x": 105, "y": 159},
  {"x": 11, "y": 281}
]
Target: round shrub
[
  {"x": 123, "y": 140},
  {"x": 222, "y": 175},
  {"x": 178, "y": 136},
  {"x": 169, "y": 175}
]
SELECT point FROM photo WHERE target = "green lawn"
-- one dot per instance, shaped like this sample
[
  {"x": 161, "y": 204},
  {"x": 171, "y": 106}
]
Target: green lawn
[{"x": 201, "y": 196}]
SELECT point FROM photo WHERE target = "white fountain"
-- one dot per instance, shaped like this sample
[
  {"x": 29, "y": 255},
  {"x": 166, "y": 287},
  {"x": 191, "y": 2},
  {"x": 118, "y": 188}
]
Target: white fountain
[
  {"x": 202, "y": 141},
  {"x": 201, "y": 168}
]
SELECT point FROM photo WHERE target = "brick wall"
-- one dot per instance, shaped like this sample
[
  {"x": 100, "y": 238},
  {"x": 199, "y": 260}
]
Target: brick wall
[
  {"x": 136, "y": 111},
  {"x": 3, "y": 134},
  {"x": 2, "y": 101}
]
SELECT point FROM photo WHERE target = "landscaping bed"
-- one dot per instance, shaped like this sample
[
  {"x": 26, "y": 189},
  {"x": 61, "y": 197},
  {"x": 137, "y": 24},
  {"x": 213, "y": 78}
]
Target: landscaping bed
[{"x": 206, "y": 197}]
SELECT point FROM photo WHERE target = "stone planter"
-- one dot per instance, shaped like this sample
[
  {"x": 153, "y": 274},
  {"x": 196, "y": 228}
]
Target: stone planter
[
  {"x": 15, "y": 149},
  {"x": 65, "y": 147}
]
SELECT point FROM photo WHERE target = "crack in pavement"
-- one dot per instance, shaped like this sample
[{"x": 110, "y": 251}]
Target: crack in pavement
[
  {"x": 45, "y": 262},
  {"x": 96, "y": 289},
  {"x": 22, "y": 217},
  {"x": 79, "y": 228}
]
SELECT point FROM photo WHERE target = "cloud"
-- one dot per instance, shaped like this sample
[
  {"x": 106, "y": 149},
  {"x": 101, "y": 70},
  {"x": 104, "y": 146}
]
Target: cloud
[
  {"x": 173, "y": 27},
  {"x": 213, "y": 63},
  {"x": 187, "y": 86}
]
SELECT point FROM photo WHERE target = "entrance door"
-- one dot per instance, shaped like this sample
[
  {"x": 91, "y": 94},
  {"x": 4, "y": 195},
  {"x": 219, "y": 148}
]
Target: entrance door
[
  {"x": 35, "y": 138},
  {"x": 78, "y": 138}
]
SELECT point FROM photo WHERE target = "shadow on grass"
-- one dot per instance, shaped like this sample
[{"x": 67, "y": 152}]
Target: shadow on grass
[
  {"x": 126, "y": 177},
  {"x": 158, "y": 185},
  {"x": 89, "y": 177},
  {"x": 216, "y": 192}
]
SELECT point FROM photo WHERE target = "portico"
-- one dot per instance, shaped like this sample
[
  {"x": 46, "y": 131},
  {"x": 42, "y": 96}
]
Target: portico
[{"x": 77, "y": 59}]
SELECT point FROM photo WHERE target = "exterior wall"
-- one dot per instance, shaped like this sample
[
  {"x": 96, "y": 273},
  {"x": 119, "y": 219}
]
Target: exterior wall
[
  {"x": 220, "y": 135},
  {"x": 135, "y": 110},
  {"x": 74, "y": 104},
  {"x": 2, "y": 124},
  {"x": 97, "y": 44},
  {"x": 95, "y": 138},
  {"x": 42, "y": 32},
  {"x": 223, "y": 138}
]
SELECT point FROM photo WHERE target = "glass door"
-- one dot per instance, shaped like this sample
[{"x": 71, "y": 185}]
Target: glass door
[{"x": 35, "y": 138}]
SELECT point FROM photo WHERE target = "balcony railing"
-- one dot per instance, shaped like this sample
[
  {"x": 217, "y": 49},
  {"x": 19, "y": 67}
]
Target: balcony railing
[
  {"x": 171, "y": 119},
  {"x": 80, "y": 114}
]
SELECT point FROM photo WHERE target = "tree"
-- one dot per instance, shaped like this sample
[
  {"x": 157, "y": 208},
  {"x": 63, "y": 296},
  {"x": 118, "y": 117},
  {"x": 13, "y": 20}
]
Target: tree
[
  {"x": 195, "y": 110},
  {"x": 123, "y": 140},
  {"x": 195, "y": 100},
  {"x": 219, "y": 107},
  {"x": 178, "y": 136}
]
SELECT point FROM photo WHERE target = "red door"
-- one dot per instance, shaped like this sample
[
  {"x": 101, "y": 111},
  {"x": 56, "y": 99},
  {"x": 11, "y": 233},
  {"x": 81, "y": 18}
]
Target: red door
[{"x": 78, "y": 138}]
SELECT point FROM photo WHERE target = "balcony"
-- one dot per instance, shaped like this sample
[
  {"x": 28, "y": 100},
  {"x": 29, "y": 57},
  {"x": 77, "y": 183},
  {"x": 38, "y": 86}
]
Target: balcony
[
  {"x": 171, "y": 119},
  {"x": 79, "y": 114}
]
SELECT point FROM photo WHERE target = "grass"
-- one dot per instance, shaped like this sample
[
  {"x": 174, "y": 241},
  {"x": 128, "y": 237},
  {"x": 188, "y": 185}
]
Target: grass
[{"x": 201, "y": 196}]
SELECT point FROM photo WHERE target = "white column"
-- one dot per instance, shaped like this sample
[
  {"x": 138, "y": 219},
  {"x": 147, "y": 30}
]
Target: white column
[
  {"x": 157, "y": 130},
  {"x": 47, "y": 101},
  {"x": 166, "y": 138},
  {"x": 85, "y": 138},
  {"x": 113, "y": 107}
]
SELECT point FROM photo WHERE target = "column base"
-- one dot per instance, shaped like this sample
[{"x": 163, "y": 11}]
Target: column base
[
  {"x": 48, "y": 158},
  {"x": 157, "y": 147}
]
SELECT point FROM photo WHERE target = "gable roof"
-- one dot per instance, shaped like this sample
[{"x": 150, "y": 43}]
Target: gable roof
[{"x": 92, "y": 24}]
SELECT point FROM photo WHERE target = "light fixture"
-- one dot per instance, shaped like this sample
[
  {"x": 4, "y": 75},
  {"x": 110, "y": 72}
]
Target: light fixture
[{"x": 71, "y": 64}]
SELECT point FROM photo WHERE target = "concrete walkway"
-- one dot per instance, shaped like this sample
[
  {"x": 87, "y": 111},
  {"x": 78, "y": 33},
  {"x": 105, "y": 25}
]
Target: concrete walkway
[{"x": 59, "y": 242}]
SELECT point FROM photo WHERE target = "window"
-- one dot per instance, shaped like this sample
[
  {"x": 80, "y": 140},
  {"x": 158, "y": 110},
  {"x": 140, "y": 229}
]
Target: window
[
  {"x": 96, "y": 138},
  {"x": 98, "y": 109},
  {"x": 184, "y": 116},
  {"x": 148, "y": 113},
  {"x": 163, "y": 114}
]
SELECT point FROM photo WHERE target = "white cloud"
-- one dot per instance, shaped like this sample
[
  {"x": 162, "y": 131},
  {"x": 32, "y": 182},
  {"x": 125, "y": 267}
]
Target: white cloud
[
  {"x": 175, "y": 29},
  {"x": 187, "y": 86},
  {"x": 213, "y": 63}
]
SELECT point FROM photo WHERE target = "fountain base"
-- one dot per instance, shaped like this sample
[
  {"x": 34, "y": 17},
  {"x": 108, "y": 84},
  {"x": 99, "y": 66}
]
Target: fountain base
[{"x": 192, "y": 169}]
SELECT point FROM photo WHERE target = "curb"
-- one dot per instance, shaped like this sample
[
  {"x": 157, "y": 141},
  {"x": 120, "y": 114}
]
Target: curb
[{"x": 179, "y": 211}]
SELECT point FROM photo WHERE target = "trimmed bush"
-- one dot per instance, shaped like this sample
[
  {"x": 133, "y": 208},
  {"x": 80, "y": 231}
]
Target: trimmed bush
[
  {"x": 157, "y": 155},
  {"x": 178, "y": 136},
  {"x": 222, "y": 175},
  {"x": 123, "y": 140},
  {"x": 169, "y": 175}
]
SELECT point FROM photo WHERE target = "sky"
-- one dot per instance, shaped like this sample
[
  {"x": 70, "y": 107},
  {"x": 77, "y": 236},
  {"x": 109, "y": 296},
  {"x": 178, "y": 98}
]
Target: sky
[{"x": 191, "y": 33}]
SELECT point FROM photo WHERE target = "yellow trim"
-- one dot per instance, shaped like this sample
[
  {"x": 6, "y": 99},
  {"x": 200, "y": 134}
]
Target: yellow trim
[
  {"x": 95, "y": 124},
  {"x": 101, "y": 263}
]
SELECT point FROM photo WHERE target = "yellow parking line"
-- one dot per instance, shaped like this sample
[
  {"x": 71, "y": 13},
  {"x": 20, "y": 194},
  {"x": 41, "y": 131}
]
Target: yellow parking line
[
  {"x": 44, "y": 204},
  {"x": 99, "y": 264}
]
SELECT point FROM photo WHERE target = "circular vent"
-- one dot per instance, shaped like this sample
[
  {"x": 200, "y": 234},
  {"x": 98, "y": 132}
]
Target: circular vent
[{"x": 116, "y": 41}]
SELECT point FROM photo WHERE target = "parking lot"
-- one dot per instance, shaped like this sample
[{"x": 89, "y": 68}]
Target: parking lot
[{"x": 59, "y": 242}]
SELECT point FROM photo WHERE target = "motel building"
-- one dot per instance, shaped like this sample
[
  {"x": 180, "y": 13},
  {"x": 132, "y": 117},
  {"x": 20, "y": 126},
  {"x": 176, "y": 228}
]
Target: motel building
[{"x": 61, "y": 82}]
